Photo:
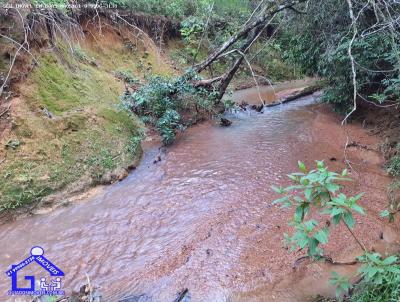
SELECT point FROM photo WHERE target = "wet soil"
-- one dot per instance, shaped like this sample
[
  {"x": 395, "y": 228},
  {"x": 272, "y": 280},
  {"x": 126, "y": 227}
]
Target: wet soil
[{"x": 200, "y": 216}]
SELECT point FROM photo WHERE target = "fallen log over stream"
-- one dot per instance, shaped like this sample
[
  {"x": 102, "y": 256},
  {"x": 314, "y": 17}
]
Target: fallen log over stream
[{"x": 306, "y": 91}]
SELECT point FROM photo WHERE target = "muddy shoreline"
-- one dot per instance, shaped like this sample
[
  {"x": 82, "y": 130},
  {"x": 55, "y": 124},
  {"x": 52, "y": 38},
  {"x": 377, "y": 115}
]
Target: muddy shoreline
[
  {"x": 308, "y": 279},
  {"x": 201, "y": 217},
  {"x": 87, "y": 187}
]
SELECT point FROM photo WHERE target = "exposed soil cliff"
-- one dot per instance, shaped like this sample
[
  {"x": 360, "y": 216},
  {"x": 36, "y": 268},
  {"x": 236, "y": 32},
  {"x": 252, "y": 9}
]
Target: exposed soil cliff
[{"x": 61, "y": 127}]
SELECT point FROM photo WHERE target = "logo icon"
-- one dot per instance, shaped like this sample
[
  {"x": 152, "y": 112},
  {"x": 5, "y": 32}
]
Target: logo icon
[{"x": 51, "y": 287}]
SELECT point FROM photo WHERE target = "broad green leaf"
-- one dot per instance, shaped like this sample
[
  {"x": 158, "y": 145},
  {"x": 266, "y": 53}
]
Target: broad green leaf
[
  {"x": 385, "y": 213},
  {"x": 336, "y": 210},
  {"x": 389, "y": 260},
  {"x": 302, "y": 166},
  {"x": 277, "y": 189},
  {"x": 332, "y": 187},
  {"x": 310, "y": 225},
  {"x": 298, "y": 215},
  {"x": 322, "y": 235},
  {"x": 348, "y": 219},
  {"x": 308, "y": 193},
  {"x": 358, "y": 209},
  {"x": 312, "y": 246},
  {"x": 371, "y": 271},
  {"x": 281, "y": 200},
  {"x": 320, "y": 164},
  {"x": 358, "y": 197},
  {"x": 394, "y": 269},
  {"x": 336, "y": 219}
]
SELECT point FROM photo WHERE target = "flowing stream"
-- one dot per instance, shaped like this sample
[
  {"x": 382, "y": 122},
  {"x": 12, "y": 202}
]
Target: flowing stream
[{"x": 201, "y": 218}]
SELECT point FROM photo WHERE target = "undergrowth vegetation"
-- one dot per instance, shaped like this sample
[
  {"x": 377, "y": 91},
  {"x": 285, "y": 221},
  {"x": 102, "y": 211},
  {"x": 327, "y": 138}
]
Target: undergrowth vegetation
[
  {"x": 164, "y": 102},
  {"x": 70, "y": 129},
  {"x": 318, "y": 44},
  {"x": 319, "y": 190}
]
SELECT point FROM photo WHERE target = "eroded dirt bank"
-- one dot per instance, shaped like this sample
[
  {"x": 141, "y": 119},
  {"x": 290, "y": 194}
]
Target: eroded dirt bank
[
  {"x": 327, "y": 139},
  {"x": 202, "y": 219}
]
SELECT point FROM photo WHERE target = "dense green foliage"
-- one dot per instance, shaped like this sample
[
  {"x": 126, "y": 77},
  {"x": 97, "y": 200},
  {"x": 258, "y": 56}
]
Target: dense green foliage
[
  {"x": 318, "y": 43},
  {"x": 320, "y": 190},
  {"x": 181, "y": 9},
  {"x": 161, "y": 102},
  {"x": 381, "y": 279}
]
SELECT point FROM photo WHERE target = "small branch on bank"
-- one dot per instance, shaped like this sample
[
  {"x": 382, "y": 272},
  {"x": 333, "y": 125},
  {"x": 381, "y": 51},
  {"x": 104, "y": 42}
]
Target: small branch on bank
[
  {"x": 327, "y": 259},
  {"x": 356, "y": 239},
  {"x": 346, "y": 160},
  {"x": 5, "y": 111},
  {"x": 19, "y": 44},
  {"x": 254, "y": 77},
  {"x": 182, "y": 295},
  {"x": 98, "y": 17},
  {"x": 141, "y": 32}
]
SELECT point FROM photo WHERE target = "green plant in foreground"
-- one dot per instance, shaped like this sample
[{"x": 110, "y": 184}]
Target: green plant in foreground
[
  {"x": 380, "y": 279},
  {"x": 319, "y": 190}
]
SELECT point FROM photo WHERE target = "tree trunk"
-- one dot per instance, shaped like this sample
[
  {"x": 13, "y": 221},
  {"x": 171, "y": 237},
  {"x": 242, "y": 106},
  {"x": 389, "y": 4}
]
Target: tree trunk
[
  {"x": 259, "y": 22},
  {"x": 228, "y": 76}
]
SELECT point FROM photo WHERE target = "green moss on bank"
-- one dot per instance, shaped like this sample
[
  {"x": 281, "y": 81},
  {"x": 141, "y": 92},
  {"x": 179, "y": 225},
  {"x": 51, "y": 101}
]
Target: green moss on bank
[{"x": 67, "y": 129}]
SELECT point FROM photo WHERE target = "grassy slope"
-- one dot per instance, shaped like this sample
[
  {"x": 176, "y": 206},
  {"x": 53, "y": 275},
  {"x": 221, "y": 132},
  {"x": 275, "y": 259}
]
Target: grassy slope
[{"x": 88, "y": 135}]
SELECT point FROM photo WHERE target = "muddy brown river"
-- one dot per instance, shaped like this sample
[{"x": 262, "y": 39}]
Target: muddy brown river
[{"x": 202, "y": 218}]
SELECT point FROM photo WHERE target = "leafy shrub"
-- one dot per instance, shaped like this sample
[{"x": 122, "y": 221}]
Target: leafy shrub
[
  {"x": 316, "y": 189},
  {"x": 191, "y": 30},
  {"x": 381, "y": 279},
  {"x": 160, "y": 102},
  {"x": 319, "y": 190},
  {"x": 133, "y": 145},
  {"x": 318, "y": 42},
  {"x": 171, "y": 8},
  {"x": 169, "y": 121},
  {"x": 270, "y": 58}
]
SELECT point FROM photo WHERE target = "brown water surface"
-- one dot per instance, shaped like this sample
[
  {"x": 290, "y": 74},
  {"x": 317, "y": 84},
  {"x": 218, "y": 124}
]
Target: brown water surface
[
  {"x": 270, "y": 93},
  {"x": 202, "y": 218}
]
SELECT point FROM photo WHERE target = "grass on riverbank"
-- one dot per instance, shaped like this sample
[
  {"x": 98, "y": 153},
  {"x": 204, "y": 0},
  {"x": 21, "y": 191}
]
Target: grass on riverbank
[{"x": 67, "y": 127}]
